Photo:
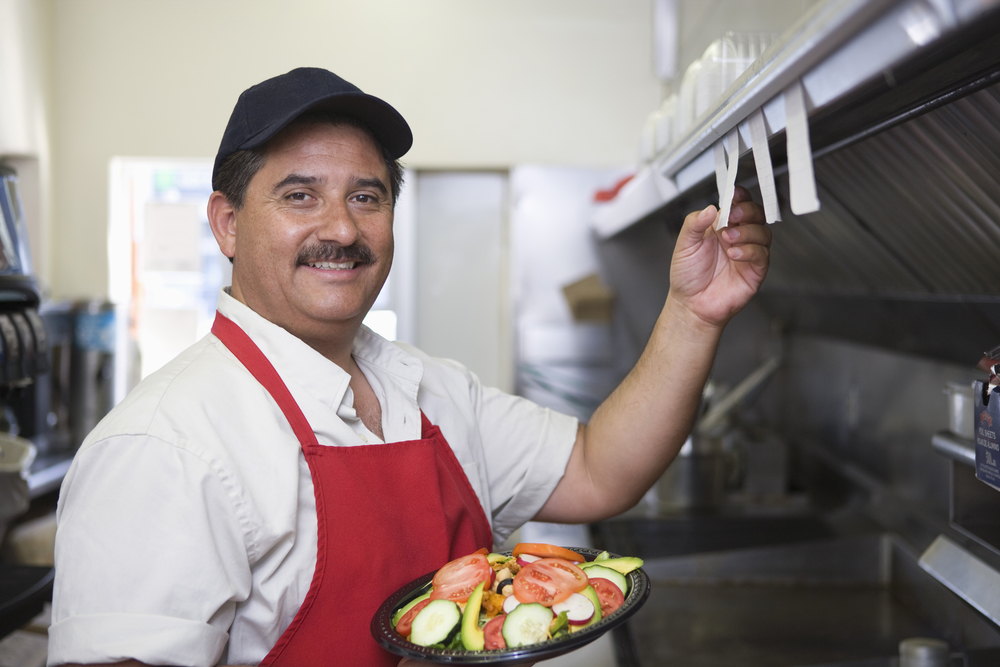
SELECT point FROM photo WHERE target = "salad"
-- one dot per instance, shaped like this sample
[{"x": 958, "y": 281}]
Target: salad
[{"x": 489, "y": 601}]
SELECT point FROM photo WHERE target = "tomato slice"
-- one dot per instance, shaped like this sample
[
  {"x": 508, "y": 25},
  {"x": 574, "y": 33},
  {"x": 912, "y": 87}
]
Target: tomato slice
[
  {"x": 609, "y": 595},
  {"x": 547, "y": 551},
  {"x": 493, "y": 633},
  {"x": 548, "y": 581},
  {"x": 457, "y": 579},
  {"x": 406, "y": 623},
  {"x": 484, "y": 551}
]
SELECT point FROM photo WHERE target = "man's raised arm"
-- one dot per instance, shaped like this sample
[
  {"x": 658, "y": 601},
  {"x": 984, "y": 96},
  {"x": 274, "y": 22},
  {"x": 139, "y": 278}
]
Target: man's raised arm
[{"x": 638, "y": 430}]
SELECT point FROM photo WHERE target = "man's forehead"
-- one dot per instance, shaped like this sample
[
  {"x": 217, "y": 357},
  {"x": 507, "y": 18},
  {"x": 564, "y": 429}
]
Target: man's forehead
[{"x": 302, "y": 154}]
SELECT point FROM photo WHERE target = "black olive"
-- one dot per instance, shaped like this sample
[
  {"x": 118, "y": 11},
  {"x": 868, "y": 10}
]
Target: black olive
[{"x": 504, "y": 584}]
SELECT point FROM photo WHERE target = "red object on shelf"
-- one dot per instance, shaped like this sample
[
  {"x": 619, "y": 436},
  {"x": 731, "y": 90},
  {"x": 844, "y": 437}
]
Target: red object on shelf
[{"x": 608, "y": 195}]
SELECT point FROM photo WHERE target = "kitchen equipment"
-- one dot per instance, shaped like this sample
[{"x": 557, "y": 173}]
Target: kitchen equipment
[
  {"x": 923, "y": 652},
  {"x": 685, "y": 110},
  {"x": 24, "y": 357},
  {"x": 697, "y": 478},
  {"x": 960, "y": 409},
  {"x": 718, "y": 414},
  {"x": 385, "y": 635},
  {"x": 723, "y": 62},
  {"x": 15, "y": 260},
  {"x": 23, "y": 339},
  {"x": 16, "y": 457},
  {"x": 708, "y": 462},
  {"x": 92, "y": 367}
]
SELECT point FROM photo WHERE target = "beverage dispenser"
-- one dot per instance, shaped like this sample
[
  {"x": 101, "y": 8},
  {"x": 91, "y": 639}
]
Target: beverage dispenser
[{"x": 23, "y": 339}]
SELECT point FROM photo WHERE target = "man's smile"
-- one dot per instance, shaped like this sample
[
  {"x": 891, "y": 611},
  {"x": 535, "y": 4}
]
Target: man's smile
[{"x": 341, "y": 266}]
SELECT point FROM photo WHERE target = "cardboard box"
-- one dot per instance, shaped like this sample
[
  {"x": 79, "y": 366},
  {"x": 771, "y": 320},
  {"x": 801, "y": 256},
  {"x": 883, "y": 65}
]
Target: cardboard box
[{"x": 589, "y": 300}]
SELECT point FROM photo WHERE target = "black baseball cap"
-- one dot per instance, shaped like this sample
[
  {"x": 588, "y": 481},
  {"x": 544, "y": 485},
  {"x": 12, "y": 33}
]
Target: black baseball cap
[{"x": 267, "y": 108}]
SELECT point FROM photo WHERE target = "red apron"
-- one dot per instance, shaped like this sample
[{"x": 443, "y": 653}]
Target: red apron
[{"x": 386, "y": 514}]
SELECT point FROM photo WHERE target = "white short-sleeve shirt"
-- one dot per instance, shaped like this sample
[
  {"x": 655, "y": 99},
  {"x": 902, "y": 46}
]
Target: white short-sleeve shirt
[{"x": 187, "y": 522}]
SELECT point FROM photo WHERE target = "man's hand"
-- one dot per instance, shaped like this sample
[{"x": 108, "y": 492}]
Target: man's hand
[{"x": 713, "y": 273}]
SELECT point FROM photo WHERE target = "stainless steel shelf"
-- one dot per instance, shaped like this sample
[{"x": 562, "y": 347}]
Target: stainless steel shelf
[{"x": 840, "y": 47}]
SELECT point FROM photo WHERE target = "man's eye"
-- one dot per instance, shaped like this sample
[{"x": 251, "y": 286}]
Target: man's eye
[
  {"x": 298, "y": 196},
  {"x": 364, "y": 199}
]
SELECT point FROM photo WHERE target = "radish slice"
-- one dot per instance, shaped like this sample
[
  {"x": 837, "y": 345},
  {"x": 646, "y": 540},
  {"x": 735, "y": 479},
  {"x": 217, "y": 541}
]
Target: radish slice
[
  {"x": 511, "y": 602},
  {"x": 524, "y": 559},
  {"x": 579, "y": 609}
]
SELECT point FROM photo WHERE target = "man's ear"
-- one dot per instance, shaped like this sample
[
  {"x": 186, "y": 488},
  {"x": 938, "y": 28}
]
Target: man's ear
[{"x": 222, "y": 218}]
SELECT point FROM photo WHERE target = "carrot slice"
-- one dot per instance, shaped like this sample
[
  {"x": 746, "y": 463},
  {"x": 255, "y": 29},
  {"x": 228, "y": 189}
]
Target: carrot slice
[{"x": 547, "y": 551}]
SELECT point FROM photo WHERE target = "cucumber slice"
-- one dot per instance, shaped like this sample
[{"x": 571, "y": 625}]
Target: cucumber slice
[
  {"x": 437, "y": 623},
  {"x": 527, "y": 624},
  {"x": 614, "y": 576}
]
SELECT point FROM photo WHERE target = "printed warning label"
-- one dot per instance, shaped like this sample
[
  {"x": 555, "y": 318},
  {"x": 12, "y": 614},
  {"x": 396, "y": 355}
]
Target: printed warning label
[{"x": 987, "y": 446}]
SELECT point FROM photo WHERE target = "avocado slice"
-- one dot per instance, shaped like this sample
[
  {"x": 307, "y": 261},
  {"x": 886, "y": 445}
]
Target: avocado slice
[
  {"x": 591, "y": 595},
  {"x": 472, "y": 634},
  {"x": 494, "y": 558},
  {"x": 624, "y": 564}
]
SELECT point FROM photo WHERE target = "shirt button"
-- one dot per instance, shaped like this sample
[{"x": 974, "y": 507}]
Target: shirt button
[{"x": 363, "y": 438}]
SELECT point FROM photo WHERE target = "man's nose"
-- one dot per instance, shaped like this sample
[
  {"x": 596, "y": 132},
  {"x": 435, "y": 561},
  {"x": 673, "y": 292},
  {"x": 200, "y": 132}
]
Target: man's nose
[{"x": 338, "y": 225}]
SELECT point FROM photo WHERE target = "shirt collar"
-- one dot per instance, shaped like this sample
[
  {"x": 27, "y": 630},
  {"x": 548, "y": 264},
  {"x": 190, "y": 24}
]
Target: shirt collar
[{"x": 296, "y": 361}]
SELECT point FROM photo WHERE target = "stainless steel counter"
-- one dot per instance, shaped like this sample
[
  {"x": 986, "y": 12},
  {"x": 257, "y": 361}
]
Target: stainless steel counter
[{"x": 815, "y": 598}]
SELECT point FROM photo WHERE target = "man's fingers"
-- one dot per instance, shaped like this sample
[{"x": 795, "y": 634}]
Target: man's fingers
[
  {"x": 699, "y": 221},
  {"x": 754, "y": 254},
  {"x": 744, "y": 210},
  {"x": 741, "y": 194},
  {"x": 758, "y": 234},
  {"x": 746, "y": 213}
]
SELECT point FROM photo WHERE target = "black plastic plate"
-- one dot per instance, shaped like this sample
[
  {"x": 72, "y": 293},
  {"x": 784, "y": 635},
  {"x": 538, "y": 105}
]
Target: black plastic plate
[{"x": 382, "y": 631}]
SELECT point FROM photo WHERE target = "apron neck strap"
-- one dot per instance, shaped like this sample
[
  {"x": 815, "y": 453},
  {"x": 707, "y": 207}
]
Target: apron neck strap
[{"x": 240, "y": 344}]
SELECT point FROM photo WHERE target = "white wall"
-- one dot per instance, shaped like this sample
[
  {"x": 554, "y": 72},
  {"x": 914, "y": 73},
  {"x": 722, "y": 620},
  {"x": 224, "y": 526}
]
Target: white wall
[
  {"x": 25, "y": 100},
  {"x": 483, "y": 84}
]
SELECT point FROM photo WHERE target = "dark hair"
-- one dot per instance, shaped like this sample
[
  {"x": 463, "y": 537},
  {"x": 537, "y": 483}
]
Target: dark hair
[{"x": 238, "y": 169}]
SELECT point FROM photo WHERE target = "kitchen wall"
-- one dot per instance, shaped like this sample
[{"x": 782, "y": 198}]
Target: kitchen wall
[
  {"x": 482, "y": 84},
  {"x": 25, "y": 112}
]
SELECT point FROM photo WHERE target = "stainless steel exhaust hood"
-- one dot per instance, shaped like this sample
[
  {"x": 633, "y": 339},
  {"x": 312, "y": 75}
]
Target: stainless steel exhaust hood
[
  {"x": 904, "y": 250},
  {"x": 904, "y": 253}
]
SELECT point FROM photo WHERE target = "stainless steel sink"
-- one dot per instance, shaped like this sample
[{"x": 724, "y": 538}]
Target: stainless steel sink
[{"x": 826, "y": 601}]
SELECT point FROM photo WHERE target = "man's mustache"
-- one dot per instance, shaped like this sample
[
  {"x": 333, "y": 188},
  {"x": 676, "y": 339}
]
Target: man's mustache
[{"x": 334, "y": 252}]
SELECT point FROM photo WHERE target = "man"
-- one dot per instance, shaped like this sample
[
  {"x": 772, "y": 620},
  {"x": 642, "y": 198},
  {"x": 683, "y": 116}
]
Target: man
[{"x": 255, "y": 500}]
